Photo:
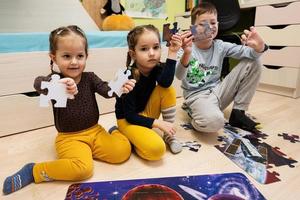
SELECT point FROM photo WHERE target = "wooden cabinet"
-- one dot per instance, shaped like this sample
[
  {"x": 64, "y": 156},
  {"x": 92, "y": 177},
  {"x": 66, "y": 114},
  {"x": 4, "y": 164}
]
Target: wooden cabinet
[
  {"x": 274, "y": 15},
  {"x": 279, "y": 26},
  {"x": 255, "y": 3}
]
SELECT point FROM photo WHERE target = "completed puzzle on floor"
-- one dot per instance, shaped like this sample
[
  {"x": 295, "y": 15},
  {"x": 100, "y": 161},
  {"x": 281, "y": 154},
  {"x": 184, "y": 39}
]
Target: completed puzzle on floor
[{"x": 230, "y": 186}]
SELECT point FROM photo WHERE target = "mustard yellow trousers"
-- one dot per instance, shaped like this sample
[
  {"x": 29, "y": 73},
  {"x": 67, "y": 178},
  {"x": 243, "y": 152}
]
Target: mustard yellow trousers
[
  {"x": 147, "y": 143},
  {"x": 76, "y": 152}
]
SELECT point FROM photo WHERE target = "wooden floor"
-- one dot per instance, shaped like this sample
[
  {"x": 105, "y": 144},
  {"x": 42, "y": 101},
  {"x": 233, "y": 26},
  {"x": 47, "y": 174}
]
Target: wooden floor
[{"x": 276, "y": 113}]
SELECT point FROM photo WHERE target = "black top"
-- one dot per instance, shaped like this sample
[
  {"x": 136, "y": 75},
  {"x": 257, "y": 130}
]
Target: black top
[
  {"x": 129, "y": 106},
  {"x": 81, "y": 112}
]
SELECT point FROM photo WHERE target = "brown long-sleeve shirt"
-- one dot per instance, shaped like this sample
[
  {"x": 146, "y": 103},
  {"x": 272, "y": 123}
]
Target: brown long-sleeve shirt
[{"x": 82, "y": 112}]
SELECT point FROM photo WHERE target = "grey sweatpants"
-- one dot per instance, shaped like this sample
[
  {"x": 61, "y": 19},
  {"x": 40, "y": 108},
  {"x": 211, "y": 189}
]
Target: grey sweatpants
[{"x": 206, "y": 107}]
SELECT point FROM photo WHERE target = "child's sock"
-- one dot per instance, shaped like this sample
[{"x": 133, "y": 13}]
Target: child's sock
[
  {"x": 112, "y": 129},
  {"x": 239, "y": 119},
  {"x": 174, "y": 144},
  {"x": 19, "y": 180},
  {"x": 169, "y": 116}
]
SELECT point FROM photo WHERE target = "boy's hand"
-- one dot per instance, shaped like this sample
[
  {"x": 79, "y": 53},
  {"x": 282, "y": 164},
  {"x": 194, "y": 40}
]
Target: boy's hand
[
  {"x": 164, "y": 126},
  {"x": 71, "y": 86},
  {"x": 252, "y": 39},
  {"x": 187, "y": 41},
  {"x": 129, "y": 85}
]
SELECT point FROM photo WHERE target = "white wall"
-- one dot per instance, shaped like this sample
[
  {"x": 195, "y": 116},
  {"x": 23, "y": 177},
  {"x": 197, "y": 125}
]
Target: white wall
[{"x": 42, "y": 15}]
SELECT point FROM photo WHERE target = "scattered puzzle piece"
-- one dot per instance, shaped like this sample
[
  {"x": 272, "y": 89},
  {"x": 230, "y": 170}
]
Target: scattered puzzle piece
[
  {"x": 56, "y": 91},
  {"x": 291, "y": 138},
  {"x": 167, "y": 32},
  {"x": 272, "y": 177},
  {"x": 193, "y": 146},
  {"x": 187, "y": 126},
  {"x": 278, "y": 158},
  {"x": 120, "y": 79}
]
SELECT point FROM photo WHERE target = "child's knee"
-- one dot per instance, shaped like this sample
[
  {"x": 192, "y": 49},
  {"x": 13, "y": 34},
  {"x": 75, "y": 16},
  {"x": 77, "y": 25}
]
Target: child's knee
[
  {"x": 168, "y": 96},
  {"x": 253, "y": 65},
  {"x": 81, "y": 170},
  {"x": 120, "y": 152},
  {"x": 256, "y": 64},
  {"x": 153, "y": 152},
  {"x": 209, "y": 124}
]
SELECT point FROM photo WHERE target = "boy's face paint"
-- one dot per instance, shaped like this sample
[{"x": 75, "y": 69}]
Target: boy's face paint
[{"x": 205, "y": 28}]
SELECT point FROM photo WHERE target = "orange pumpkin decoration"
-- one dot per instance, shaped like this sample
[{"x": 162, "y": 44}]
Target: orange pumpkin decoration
[{"x": 118, "y": 23}]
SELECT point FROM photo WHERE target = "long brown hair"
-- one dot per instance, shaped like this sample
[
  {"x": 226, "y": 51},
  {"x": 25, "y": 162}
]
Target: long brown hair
[
  {"x": 132, "y": 39},
  {"x": 61, "y": 32}
]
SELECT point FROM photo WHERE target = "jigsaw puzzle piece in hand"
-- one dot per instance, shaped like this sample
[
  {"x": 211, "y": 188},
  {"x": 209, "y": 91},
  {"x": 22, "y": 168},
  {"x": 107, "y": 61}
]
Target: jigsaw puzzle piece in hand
[
  {"x": 56, "y": 91},
  {"x": 203, "y": 34},
  {"x": 167, "y": 32},
  {"x": 116, "y": 85}
]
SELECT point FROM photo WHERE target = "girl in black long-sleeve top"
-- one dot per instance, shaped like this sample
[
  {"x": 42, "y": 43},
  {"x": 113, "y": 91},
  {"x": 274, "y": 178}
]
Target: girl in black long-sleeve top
[{"x": 139, "y": 110}]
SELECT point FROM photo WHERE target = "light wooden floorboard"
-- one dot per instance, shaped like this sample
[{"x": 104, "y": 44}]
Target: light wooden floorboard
[{"x": 277, "y": 114}]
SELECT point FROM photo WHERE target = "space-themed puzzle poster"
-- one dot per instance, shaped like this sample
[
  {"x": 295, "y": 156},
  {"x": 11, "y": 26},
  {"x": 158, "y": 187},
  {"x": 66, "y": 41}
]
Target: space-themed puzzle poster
[
  {"x": 230, "y": 186},
  {"x": 253, "y": 155}
]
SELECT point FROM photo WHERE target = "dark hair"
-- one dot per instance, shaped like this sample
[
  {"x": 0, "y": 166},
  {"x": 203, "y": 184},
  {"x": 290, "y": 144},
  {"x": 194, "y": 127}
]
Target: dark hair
[
  {"x": 61, "y": 32},
  {"x": 201, "y": 8},
  {"x": 132, "y": 39}
]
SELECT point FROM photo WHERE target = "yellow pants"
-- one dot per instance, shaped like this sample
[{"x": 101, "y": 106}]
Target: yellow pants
[
  {"x": 76, "y": 152},
  {"x": 147, "y": 143}
]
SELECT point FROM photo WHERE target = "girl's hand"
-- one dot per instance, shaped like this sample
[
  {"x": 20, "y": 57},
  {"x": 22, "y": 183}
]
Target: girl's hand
[
  {"x": 187, "y": 41},
  {"x": 166, "y": 127},
  {"x": 252, "y": 39},
  {"x": 71, "y": 86},
  {"x": 129, "y": 85},
  {"x": 175, "y": 43}
]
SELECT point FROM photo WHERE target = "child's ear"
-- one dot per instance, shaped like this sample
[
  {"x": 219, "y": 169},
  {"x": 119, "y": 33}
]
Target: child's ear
[
  {"x": 52, "y": 57},
  {"x": 132, "y": 54}
]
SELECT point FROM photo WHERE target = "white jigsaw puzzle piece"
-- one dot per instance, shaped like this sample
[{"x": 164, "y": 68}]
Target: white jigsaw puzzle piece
[
  {"x": 56, "y": 91},
  {"x": 120, "y": 79}
]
